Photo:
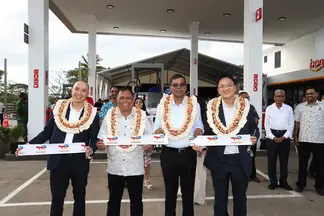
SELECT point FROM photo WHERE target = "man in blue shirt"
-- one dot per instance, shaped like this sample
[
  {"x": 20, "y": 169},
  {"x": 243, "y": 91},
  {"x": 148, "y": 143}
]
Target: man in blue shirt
[{"x": 110, "y": 104}]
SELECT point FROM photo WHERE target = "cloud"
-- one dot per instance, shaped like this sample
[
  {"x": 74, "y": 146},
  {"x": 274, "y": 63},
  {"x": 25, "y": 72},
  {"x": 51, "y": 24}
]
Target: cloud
[{"x": 66, "y": 49}]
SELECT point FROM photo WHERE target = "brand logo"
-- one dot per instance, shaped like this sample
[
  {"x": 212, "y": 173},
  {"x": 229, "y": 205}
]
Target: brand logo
[
  {"x": 316, "y": 65},
  {"x": 110, "y": 139},
  {"x": 40, "y": 148},
  {"x": 191, "y": 138},
  {"x": 135, "y": 139},
  {"x": 19, "y": 149},
  {"x": 64, "y": 148},
  {"x": 159, "y": 137},
  {"x": 212, "y": 139},
  {"x": 236, "y": 139}
]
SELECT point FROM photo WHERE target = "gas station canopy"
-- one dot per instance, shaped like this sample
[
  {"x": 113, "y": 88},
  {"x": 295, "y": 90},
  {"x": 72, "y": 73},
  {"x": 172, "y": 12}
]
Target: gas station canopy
[
  {"x": 178, "y": 61},
  {"x": 220, "y": 20}
]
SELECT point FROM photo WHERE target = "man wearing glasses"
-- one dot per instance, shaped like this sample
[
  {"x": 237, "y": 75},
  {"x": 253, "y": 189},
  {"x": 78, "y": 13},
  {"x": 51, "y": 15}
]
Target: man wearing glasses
[
  {"x": 279, "y": 126},
  {"x": 178, "y": 117}
]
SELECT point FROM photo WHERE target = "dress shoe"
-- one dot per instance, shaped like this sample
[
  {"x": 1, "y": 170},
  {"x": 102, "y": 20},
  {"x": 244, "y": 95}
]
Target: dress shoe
[
  {"x": 320, "y": 192},
  {"x": 255, "y": 179},
  {"x": 272, "y": 186},
  {"x": 286, "y": 187},
  {"x": 299, "y": 189}
]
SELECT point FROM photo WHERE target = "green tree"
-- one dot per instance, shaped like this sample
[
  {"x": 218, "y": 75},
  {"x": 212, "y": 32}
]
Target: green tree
[{"x": 73, "y": 75}]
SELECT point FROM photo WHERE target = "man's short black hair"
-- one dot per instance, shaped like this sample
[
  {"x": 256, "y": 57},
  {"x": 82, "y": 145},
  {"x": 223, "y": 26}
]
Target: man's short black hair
[
  {"x": 177, "y": 76},
  {"x": 122, "y": 89},
  {"x": 114, "y": 87},
  {"x": 226, "y": 76},
  {"x": 310, "y": 87}
]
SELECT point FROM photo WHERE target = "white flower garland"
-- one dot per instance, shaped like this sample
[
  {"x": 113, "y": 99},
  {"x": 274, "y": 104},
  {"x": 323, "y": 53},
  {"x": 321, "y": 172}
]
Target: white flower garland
[
  {"x": 76, "y": 127},
  {"x": 137, "y": 128},
  {"x": 186, "y": 127},
  {"x": 242, "y": 111}
]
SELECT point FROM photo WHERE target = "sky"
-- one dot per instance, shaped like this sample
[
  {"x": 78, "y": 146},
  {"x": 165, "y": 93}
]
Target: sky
[{"x": 65, "y": 51}]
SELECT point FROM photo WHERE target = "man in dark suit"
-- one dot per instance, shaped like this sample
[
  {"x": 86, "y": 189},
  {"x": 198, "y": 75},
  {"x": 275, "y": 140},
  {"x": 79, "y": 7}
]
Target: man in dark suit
[
  {"x": 229, "y": 115},
  {"x": 74, "y": 120}
]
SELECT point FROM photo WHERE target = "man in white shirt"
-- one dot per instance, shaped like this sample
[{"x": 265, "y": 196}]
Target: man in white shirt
[
  {"x": 2, "y": 108},
  {"x": 309, "y": 135},
  {"x": 125, "y": 163},
  {"x": 279, "y": 126},
  {"x": 179, "y": 117}
]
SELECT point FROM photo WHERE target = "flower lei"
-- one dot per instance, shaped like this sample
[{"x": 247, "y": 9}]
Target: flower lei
[
  {"x": 242, "y": 110},
  {"x": 137, "y": 128},
  {"x": 184, "y": 130},
  {"x": 75, "y": 127}
]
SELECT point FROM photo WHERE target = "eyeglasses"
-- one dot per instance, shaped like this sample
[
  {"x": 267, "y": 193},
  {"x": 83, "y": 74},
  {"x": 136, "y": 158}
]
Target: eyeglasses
[{"x": 176, "y": 85}]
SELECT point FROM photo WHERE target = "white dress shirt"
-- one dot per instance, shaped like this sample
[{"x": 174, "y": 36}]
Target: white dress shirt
[
  {"x": 177, "y": 118},
  {"x": 73, "y": 117},
  {"x": 311, "y": 118},
  {"x": 229, "y": 114},
  {"x": 119, "y": 162},
  {"x": 279, "y": 119}
]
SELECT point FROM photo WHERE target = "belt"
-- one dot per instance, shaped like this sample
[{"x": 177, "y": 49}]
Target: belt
[{"x": 179, "y": 150}]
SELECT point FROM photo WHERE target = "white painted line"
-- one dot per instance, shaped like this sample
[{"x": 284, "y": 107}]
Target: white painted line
[
  {"x": 144, "y": 200},
  {"x": 21, "y": 187},
  {"x": 294, "y": 193}
]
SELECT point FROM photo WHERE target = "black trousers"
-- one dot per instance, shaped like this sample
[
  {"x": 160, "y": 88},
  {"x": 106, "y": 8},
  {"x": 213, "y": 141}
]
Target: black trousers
[
  {"x": 116, "y": 186},
  {"x": 312, "y": 167},
  {"x": 230, "y": 169},
  {"x": 1, "y": 119},
  {"x": 304, "y": 151},
  {"x": 253, "y": 173},
  {"x": 76, "y": 169},
  {"x": 273, "y": 151},
  {"x": 177, "y": 165}
]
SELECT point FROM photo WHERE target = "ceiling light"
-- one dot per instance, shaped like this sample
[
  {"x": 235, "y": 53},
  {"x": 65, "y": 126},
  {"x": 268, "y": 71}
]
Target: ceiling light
[
  {"x": 207, "y": 33},
  {"x": 110, "y": 6},
  {"x": 170, "y": 11},
  {"x": 226, "y": 14},
  {"x": 116, "y": 27},
  {"x": 163, "y": 31},
  {"x": 282, "y": 18}
]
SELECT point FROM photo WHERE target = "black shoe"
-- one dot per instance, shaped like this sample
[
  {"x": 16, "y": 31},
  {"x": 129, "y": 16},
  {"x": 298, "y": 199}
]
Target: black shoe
[
  {"x": 272, "y": 186},
  {"x": 299, "y": 190},
  {"x": 255, "y": 179},
  {"x": 320, "y": 192},
  {"x": 286, "y": 187}
]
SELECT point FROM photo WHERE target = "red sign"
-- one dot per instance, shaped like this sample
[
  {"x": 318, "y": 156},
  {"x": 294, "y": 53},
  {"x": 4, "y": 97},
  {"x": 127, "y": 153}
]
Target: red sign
[
  {"x": 36, "y": 78},
  {"x": 255, "y": 82},
  {"x": 316, "y": 65},
  {"x": 91, "y": 91},
  {"x": 195, "y": 61},
  {"x": 46, "y": 78},
  {"x": 194, "y": 91},
  {"x": 258, "y": 15}
]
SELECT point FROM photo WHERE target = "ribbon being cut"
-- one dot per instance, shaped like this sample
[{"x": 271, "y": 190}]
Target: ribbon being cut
[
  {"x": 155, "y": 139},
  {"x": 49, "y": 149},
  {"x": 221, "y": 140}
]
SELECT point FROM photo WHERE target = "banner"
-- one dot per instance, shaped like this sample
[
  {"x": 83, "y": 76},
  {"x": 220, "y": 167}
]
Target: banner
[
  {"x": 49, "y": 149},
  {"x": 221, "y": 140},
  {"x": 154, "y": 139}
]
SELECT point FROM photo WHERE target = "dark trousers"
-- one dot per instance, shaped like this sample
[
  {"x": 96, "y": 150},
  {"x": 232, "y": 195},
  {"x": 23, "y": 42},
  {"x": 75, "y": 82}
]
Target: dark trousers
[
  {"x": 253, "y": 173},
  {"x": 1, "y": 119},
  {"x": 230, "y": 169},
  {"x": 177, "y": 165},
  {"x": 273, "y": 151},
  {"x": 116, "y": 186},
  {"x": 77, "y": 170},
  {"x": 312, "y": 167},
  {"x": 304, "y": 151}
]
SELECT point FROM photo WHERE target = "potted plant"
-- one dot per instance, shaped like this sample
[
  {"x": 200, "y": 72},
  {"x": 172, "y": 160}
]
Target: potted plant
[
  {"x": 4, "y": 141},
  {"x": 16, "y": 137}
]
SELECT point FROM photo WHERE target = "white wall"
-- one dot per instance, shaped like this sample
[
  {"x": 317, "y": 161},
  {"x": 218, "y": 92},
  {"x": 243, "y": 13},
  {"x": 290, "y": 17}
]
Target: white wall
[{"x": 295, "y": 55}]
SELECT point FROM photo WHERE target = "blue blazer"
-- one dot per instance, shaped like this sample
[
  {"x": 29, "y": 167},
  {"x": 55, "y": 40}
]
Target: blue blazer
[
  {"x": 215, "y": 154},
  {"x": 52, "y": 133}
]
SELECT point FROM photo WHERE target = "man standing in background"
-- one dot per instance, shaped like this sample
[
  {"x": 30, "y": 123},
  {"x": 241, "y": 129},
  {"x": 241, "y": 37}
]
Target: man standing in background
[
  {"x": 22, "y": 112},
  {"x": 110, "y": 104},
  {"x": 2, "y": 108}
]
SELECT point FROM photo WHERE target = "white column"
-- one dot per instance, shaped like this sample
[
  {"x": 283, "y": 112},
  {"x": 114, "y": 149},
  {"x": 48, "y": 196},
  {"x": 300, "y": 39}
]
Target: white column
[
  {"x": 37, "y": 65},
  {"x": 194, "y": 31},
  {"x": 253, "y": 39},
  {"x": 92, "y": 54}
]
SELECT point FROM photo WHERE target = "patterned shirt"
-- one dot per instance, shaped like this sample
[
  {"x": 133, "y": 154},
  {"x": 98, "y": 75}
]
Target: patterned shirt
[
  {"x": 311, "y": 118},
  {"x": 104, "y": 109},
  {"x": 124, "y": 163}
]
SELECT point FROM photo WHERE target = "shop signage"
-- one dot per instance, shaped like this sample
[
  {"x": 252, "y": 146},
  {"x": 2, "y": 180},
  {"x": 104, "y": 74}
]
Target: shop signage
[
  {"x": 255, "y": 82},
  {"x": 316, "y": 65},
  {"x": 258, "y": 14},
  {"x": 36, "y": 78}
]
